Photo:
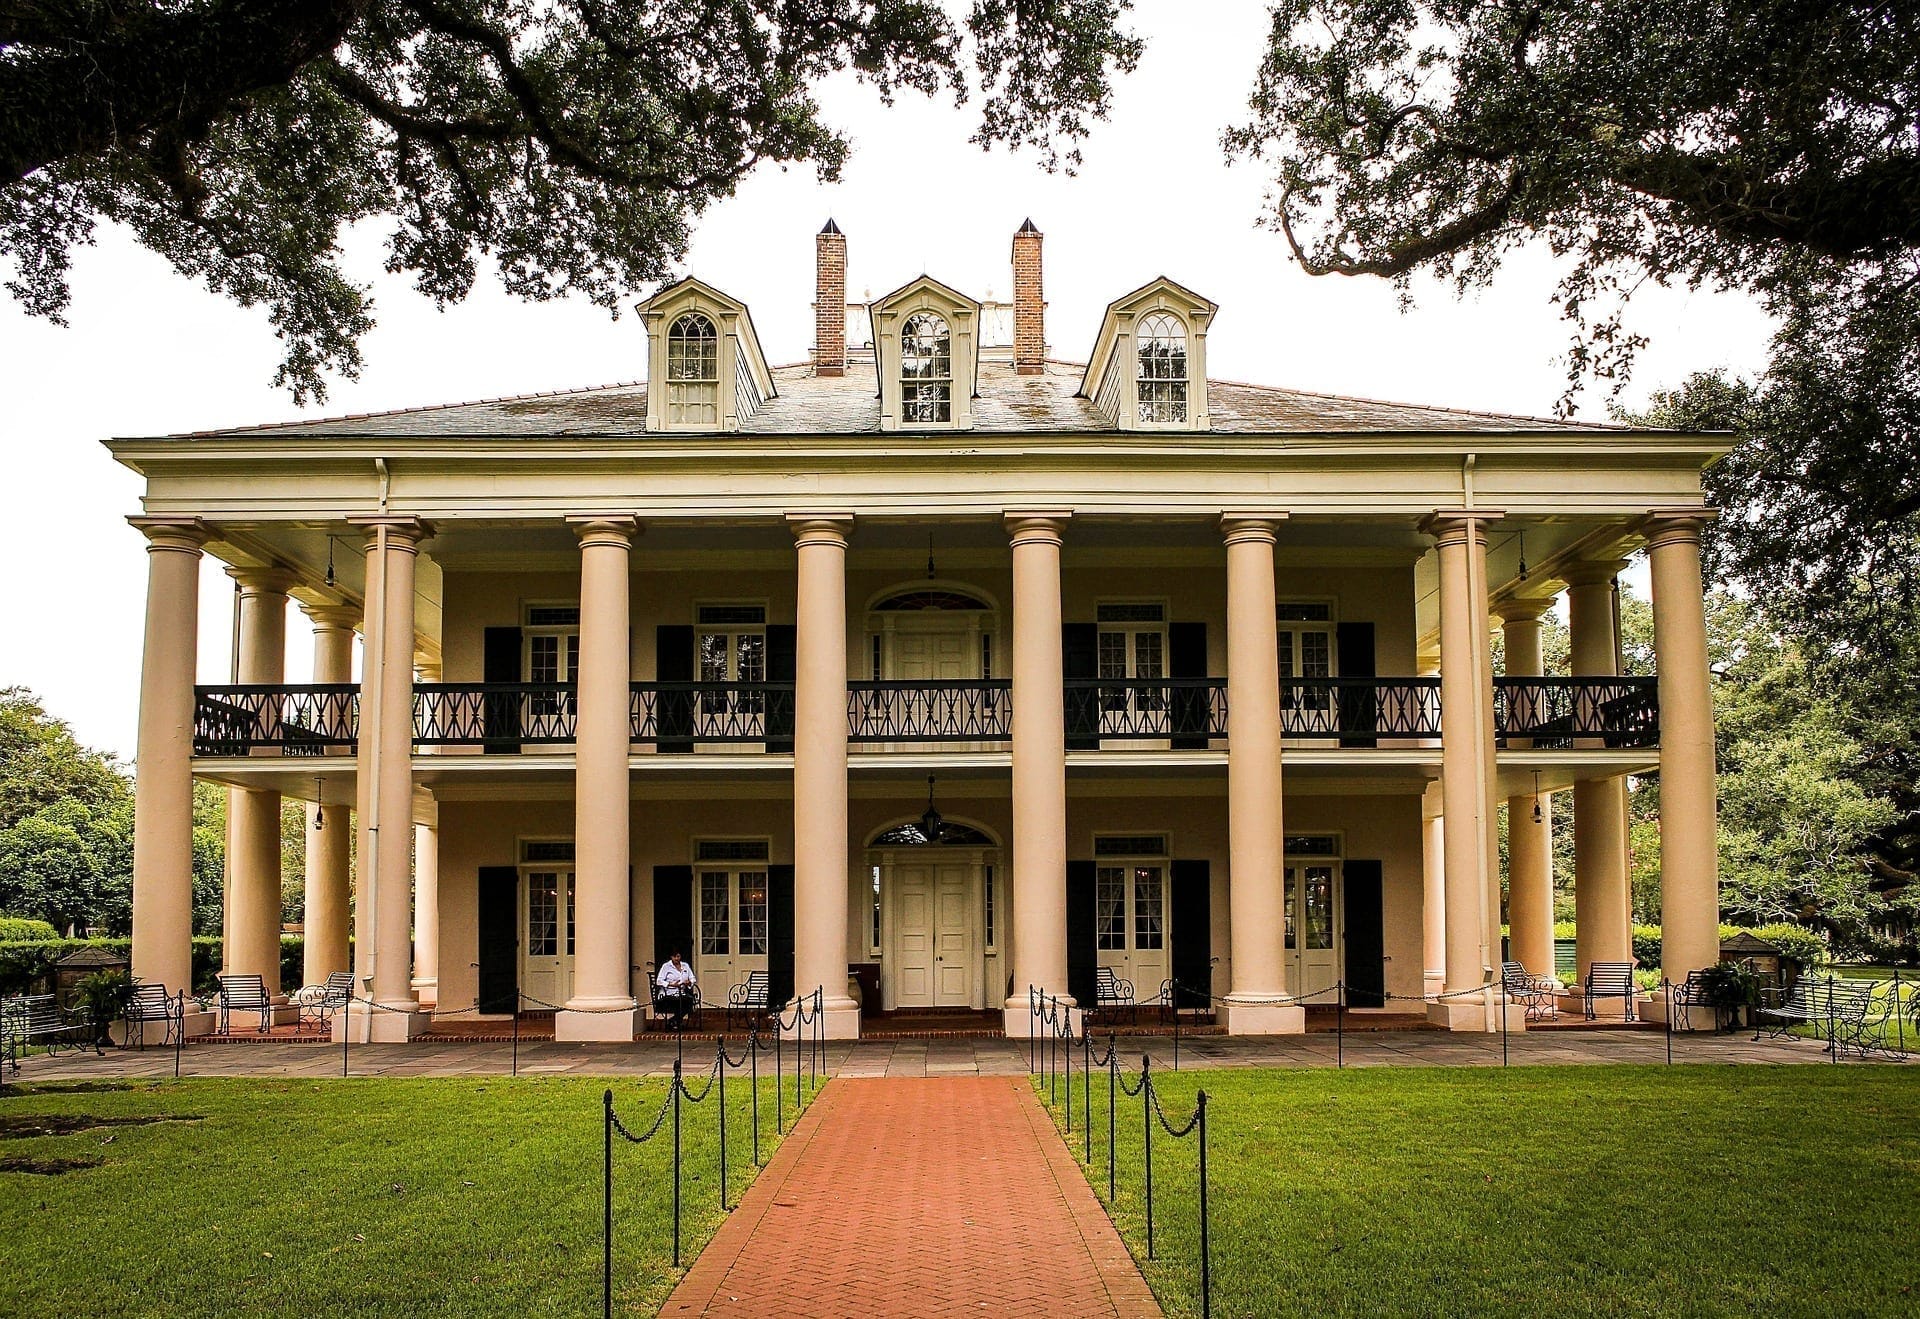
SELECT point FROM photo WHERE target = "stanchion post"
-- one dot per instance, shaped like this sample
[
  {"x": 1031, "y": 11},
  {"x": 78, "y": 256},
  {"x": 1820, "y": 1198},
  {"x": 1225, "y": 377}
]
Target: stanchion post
[
  {"x": 1501, "y": 1003},
  {"x": 1206, "y": 1245},
  {"x": 1899, "y": 1023},
  {"x": 180, "y": 1033},
  {"x": 779, "y": 1086},
  {"x": 606, "y": 1226},
  {"x": 1086, "y": 1092},
  {"x": 1146, "y": 1128},
  {"x": 1174, "y": 1007},
  {"x": 1340, "y": 1024},
  {"x": 1833, "y": 1025},
  {"x": 679, "y": 1087},
  {"x": 517, "y": 1005},
  {"x": 1666, "y": 987},
  {"x": 1033, "y": 1010},
  {"x": 346, "y": 1036},
  {"x": 1113, "y": 1079},
  {"x": 1068, "y": 1052},
  {"x": 720, "y": 1048},
  {"x": 753, "y": 1076}
]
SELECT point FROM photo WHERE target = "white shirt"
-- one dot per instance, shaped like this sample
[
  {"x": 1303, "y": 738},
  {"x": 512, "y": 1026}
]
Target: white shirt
[{"x": 675, "y": 974}]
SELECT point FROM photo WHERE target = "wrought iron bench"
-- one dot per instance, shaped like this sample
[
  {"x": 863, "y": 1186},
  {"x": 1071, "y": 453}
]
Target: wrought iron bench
[
  {"x": 150, "y": 1003},
  {"x": 1111, "y": 993},
  {"x": 244, "y": 994},
  {"x": 39, "y": 1019},
  {"x": 748, "y": 1000},
  {"x": 1609, "y": 980},
  {"x": 1534, "y": 993},
  {"x": 319, "y": 1004},
  {"x": 1841, "y": 1009}
]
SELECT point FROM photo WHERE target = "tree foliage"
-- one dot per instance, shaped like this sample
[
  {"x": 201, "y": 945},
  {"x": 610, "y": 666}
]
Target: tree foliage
[{"x": 571, "y": 144}]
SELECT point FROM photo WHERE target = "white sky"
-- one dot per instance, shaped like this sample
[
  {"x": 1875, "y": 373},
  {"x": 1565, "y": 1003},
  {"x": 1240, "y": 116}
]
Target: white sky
[{"x": 149, "y": 352}]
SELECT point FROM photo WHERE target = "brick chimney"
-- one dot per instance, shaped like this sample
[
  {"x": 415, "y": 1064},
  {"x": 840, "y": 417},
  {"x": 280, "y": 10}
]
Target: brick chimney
[
  {"x": 830, "y": 302},
  {"x": 1029, "y": 304}
]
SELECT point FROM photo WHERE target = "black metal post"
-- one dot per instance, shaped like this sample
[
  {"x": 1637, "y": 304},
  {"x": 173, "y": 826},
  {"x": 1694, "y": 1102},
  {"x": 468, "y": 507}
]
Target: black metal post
[
  {"x": 1113, "y": 1077},
  {"x": 753, "y": 1073},
  {"x": 1206, "y": 1251},
  {"x": 606, "y": 1229},
  {"x": 180, "y": 1027},
  {"x": 1146, "y": 1127},
  {"x": 1666, "y": 986},
  {"x": 678, "y": 1088},
  {"x": 1501, "y": 1001},
  {"x": 779, "y": 1087},
  {"x": 1833, "y": 1025},
  {"x": 799, "y": 1064},
  {"x": 1069, "y": 1060},
  {"x": 1086, "y": 1092},
  {"x": 720, "y": 1048},
  {"x": 1899, "y": 1024},
  {"x": 1340, "y": 1025},
  {"x": 1175, "y": 1005},
  {"x": 1033, "y": 1010},
  {"x": 516, "y": 1029},
  {"x": 346, "y": 1036}
]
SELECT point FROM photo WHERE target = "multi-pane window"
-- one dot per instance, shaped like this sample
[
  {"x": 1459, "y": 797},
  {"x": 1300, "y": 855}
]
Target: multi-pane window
[
  {"x": 926, "y": 369},
  {"x": 986, "y": 885},
  {"x": 543, "y": 913},
  {"x": 753, "y": 913},
  {"x": 1110, "y": 907},
  {"x": 1161, "y": 347},
  {"x": 716, "y": 913},
  {"x": 693, "y": 372},
  {"x": 1131, "y": 645},
  {"x": 1148, "y": 895},
  {"x": 1137, "y": 891},
  {"x": 552, "y": 654},
  {"x": 733, "y": 649},
  {"x": 733, "y": 900}
]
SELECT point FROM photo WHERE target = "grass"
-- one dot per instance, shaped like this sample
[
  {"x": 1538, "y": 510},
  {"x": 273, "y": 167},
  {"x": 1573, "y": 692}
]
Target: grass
[
  {"x": 1541, "y": 1190},
  {"x": 442, "y": 1196}
]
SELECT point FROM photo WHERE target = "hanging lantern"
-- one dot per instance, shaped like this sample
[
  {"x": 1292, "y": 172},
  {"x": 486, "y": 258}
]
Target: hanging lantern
[{"x": 931, "y": 823}]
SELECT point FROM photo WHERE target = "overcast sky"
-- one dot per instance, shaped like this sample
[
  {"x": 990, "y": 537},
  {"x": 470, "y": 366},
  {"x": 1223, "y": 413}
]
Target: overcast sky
[{"x": 149, "y": 352}]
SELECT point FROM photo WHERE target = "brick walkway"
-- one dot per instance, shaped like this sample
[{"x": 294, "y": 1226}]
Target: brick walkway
[{"x": 918, "y": 1197}]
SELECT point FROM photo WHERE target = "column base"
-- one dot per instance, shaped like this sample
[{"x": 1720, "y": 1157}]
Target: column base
[
  {"x": 1019, "y": 1022},
  {"x": 428, "y": 992},
  {"x": 1254, "y": 1017},
  {"x": 839, "y": 1020},
  {"x": 1700, "y": 1020},
  {"x": 1472, "y": 1015},
  {"x": 597, "y": 1021},
  {"x": 383, "y": 1023}
]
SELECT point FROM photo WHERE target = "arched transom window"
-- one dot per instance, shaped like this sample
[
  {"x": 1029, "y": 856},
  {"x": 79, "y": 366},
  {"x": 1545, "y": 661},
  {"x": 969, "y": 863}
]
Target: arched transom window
[
  {"x": 926, "y": 369},
  {"x": 693, "y": 372},
  {"x": 1162, "y": 345}
]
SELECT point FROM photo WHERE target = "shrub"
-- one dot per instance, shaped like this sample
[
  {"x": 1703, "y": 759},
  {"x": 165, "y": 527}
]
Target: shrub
[
  {"x": 1646, "y": 945},
  {"x": 14, "y": 929},
  {"x": 1796, "y": 943},
  {"x": 26, "y": 965},
  {"x": 105, "y": 995}
]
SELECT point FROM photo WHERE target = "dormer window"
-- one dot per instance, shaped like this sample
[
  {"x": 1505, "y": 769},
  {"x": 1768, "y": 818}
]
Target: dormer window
[
  {"x": 926, "y": 370},
  {"x": 1162, "y": 381},
  {"x": 693, "y": 372}
]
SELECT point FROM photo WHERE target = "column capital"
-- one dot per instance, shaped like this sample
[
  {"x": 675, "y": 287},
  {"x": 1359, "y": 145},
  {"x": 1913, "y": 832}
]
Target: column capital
[
  {"x": 173, "y": 533},
  {"x": 1236, "y": 528},
  {"x": 264, "y": 580},
  {"x": 1591, "y": 572},
  {"x": 605, "y": 528},
  {"x": 1522, "y": 611},
  {"x": 1036, "y": 526},
  {"x": 404, "y": 532},
  {"x": 1666, "y": 526},
  {"x": 1457, "y": 524},
  {"x": 339, "y": 618},
  {"x": 819, "y": 528}
]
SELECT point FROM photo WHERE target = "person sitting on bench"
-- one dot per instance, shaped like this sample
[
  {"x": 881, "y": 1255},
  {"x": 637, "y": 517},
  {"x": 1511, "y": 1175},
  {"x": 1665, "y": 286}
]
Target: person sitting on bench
[{"x": 677, "y": 990}]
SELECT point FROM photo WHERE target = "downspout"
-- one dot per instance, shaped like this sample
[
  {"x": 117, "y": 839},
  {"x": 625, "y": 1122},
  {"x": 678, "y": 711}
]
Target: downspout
[
  {"x": 1477, "y": 590},
  {"x": 376, "y": 683}
]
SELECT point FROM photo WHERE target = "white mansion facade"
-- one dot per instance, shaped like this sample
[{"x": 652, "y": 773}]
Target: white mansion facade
[{"x": 1189, "y": 679}]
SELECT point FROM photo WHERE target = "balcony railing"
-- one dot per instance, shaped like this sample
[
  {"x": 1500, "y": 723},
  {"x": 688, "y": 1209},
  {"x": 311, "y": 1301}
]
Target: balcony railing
[
  {"x": 959, "y": 710},
  {"x": 1360, "y": 711},
  {"x": 500, "y": 716},
  {"x": 1555, "y": 713},
  {"x": 309, "y": 720},
  {"x": 1187, "y": 711},
  {"x": 676, "y": 716}
]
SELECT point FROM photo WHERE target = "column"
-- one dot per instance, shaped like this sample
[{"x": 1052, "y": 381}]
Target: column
[
  {"x": 1689, "y": 846},
  {"x": 1039, "y": 778},
  {"x": 426, "y": 914},
  {"x": 1466, "y": 769},
  {"x": 329, "y": 831},
  {"x": 383, "y": 911},
  {"x": 1433, "y": 894},
  {"x": 163, "y": 783},
  {"x": 1529, "y": 814},
  {"x": 253, "y": 869},
  {"x": 1256, "y": 869},
  {"x": 1600, "y": 900},
  {"x": 602, "y": 1006},
  {"x": 820, "y": 768}
]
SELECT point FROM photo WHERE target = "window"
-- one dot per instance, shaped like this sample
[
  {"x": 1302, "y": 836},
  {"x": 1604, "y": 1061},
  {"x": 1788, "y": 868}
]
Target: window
[
  {"x": 1161, "y": 344},
  {"x": 733, "y": 913},
  {"x": 986, "y": 888},
  {"x": 693, "y": 372},
  {"x": 552, "y": 655},
  {"x": 548, "y": 865},
  {"x": 733, "y": 649},
  {"x": 926, "y": 370},
  {"x": 1137, "y": 891},
  {"x": 1130, "y": 652}
]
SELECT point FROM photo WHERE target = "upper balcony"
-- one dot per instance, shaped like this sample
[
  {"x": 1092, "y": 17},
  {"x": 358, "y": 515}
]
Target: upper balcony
[{"x": 1139, "y": 714}]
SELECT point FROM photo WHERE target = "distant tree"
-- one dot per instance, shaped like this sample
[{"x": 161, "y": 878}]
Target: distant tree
[{"x": 572, "y": 144}]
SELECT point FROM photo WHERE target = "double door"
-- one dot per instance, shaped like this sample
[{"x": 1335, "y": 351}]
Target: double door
[
  {"x": 731, "y": 905},
  {"x": 936, "y": 953},
  {"x": 546, "y": 937},
  {"x": 1315, "y": 912}
]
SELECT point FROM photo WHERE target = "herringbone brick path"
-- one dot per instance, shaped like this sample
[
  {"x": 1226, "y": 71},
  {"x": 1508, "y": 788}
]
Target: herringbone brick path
[{"x": 918, "y": 1197}]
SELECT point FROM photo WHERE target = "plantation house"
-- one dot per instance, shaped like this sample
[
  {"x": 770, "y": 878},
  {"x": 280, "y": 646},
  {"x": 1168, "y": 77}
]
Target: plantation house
[{"x": 934, "y": 665}]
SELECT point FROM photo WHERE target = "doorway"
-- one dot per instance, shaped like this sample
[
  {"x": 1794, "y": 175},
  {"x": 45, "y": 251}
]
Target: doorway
[
  {"x": 1315, "y": 917},
  {"x": 933, "y": 920},
  {"x": 546, "y": 923}
]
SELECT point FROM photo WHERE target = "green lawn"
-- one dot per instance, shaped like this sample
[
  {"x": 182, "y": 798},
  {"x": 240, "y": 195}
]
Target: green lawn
[
  {"x": 371, "y": 1197},
  {"x": 1535, "y": 1191}
]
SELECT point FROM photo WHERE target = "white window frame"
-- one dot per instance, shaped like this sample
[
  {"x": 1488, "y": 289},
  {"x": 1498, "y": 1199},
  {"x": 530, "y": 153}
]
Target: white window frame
[
  {"x": 681, "y": 400},
  {"x": 1141, "y": 380},
  {"x": 912, "y": 383},
  {"x": 1127, "y": 865}
]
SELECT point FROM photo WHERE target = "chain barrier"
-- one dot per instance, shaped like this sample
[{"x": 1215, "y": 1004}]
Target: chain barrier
[{"x": 807, "y": 1013}]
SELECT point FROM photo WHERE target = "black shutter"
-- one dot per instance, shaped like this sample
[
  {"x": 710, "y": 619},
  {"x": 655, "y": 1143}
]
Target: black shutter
[
  {"x": 1080, "y": 658},
  {"x": 1366, "y": 969},
  {"x": 1358, "y": 711},
  {"x": 673, "y": 917},
  {"x": 780, "y": 667},
  {"x": 1190, "y": 911},
  {"x": 673, "y": 663},
  {"x": 780, "y": 935},
  {"x": 1187, "y": 658},
  {"x": 499, "y": 921},
  {"x": 500, "y": 711},
  {"x": 1082, "y": 954}
]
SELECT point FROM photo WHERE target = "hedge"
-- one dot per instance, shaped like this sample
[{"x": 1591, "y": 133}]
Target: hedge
[
  {"x": 26, "y": 965},
  {"x": 14, "y": 928},
  {"x": 1796, "y": 943}
]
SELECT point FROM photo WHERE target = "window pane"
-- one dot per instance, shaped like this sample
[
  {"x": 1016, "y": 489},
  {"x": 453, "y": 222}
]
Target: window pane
[
  {"x": 753, "y": 913},
  {"x": 1319, "y": 907},
  {"x": 1147, "y": 896},
  {"x": 751, "y": 648},
  {"x": 1316, "y": 655},
  {"x": 713, "y": 914},
  {"x": 713, "y": 656},
  {"x": 543, "y": 659},
  {"x": 570, "y": 910},
  {"x": 543, "y": 915},
  {"x": 1286, "y": 654},
  {"x": 987, "y": 889},
  {"x": 1147, "y": 655},
  {"x": 926, "y": 369},
  {"x": 1110, "y": 908},
  {"x": 1292, "y": 875},
  {"x": 1113, "y": 654}
]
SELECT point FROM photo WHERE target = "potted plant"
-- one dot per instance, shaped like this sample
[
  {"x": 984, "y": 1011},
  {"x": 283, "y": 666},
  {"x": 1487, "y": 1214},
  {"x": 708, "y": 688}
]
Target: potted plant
[
  {"x": 1729, "y": 987},
  {"x": 103, "y": 998}
]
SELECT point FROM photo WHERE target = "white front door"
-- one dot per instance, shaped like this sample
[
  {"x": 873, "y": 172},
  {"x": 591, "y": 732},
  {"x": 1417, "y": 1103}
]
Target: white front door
[
  {"x": 935, "y": 957},
  {"x": 546, "y": 938},
  {"x": 731, "y": 907},
  {"x": 1313, "y": 930},
  {"x": 1130, "y": 923},
  {"x": 944, "y": 655}
]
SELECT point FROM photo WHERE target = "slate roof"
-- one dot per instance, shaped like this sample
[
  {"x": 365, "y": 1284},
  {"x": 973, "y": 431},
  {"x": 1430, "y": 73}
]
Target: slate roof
[{"x": 849, "y": 405}]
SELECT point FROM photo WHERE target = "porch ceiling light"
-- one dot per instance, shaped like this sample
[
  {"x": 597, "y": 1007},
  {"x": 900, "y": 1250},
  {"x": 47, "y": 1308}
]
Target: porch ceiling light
[{"x": 931, "y": 823}]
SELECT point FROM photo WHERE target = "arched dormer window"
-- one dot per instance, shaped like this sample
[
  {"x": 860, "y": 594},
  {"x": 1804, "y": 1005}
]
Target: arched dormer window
[
  {"x": 926, "y": 370},
  {"x": 693, "y": 372},
  {"x": 1161, "y": 348}
]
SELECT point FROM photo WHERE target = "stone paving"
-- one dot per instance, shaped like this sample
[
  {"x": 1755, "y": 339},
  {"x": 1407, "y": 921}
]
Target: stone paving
[
  {"x": 928, "y": 1058},
  {"x": 930, "y": 1196}
]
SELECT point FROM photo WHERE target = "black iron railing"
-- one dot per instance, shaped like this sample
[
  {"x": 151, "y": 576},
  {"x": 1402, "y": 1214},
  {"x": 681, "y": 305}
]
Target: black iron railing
[
  {"x": 496, "y": 715},
  {"x": 309, "y": 720},
  {"x": 1554, "y": 713},
  {"x": 959, "y": 710},
  {"x": 1359, "y": 711},
  {"x": 1188, "y": 711},
  {"x": 679, "y": 715}
]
